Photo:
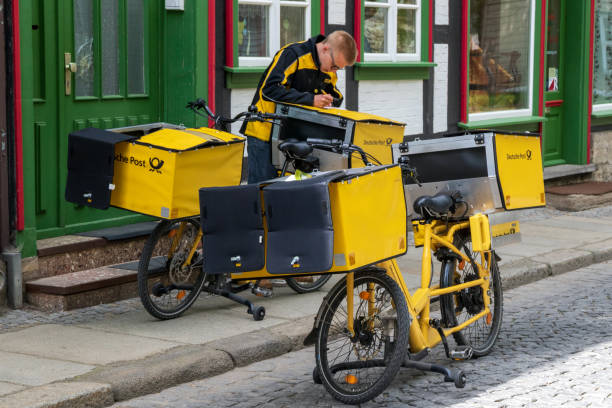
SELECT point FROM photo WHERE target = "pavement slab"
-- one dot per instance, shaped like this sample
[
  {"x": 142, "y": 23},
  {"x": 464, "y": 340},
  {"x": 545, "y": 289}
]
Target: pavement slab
[
  {"x": 195, "y": 327},
  {"x": 8, "y": 388},
  {"x": 61, "y": 395},
  {"x": 29, "y": 370},
  {"x": 80, "y": 345}
]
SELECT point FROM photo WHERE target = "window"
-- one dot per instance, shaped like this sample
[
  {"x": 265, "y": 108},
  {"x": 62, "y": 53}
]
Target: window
[
  {"x": 501, "y": 58},
  {"x": 602, "y": 64},
  {"x": 264, "y": 26},
  {"x": 392, "y": 30}
]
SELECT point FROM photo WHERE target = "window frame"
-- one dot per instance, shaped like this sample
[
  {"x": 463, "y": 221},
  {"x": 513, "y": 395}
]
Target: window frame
[
  {"x": 392, "y": 55},
  {"x": 274, "y": 8},
  {"x": 509, "y": 113},
  {"x": 599, "y": 108}
]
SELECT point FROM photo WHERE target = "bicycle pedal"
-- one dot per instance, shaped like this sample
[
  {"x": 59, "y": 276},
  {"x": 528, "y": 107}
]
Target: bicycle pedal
[
  {"x": 461, "y": 353},
  {"x": 262, "y": 292}
]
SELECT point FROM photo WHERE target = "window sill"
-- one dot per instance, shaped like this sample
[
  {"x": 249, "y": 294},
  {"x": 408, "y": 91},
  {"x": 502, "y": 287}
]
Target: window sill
[
  {"x": 368, "y": 71},
  {"x": 485, "y": 124},
  {"x": 602, "y": 114},
  {"x": 243, "y": 77}
]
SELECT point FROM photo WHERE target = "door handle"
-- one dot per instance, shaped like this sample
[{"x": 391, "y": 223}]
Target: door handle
[{"x": 69, "y": 68}]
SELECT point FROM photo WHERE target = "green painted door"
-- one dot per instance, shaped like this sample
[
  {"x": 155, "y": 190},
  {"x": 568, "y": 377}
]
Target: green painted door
[
  {"x": 552, "y": 140},
  {"x": 106, "y": 67}
]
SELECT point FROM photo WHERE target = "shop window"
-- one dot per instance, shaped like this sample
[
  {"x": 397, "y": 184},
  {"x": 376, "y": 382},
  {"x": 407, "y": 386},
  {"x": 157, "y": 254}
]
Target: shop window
[
  {"x": 500, "y": 58},
  {"x": 264, "y": 26},
  {"x": 392, "y": 30},
  {"x": 602, "y": 64}
]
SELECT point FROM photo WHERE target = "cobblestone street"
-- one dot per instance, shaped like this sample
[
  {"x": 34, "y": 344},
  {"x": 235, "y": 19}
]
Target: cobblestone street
[{"x": 555, "y": 349}]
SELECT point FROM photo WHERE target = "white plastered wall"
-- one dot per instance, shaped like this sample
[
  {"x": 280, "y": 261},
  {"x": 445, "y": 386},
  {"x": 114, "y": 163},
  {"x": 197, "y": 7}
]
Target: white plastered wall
[
  {"x": 441, "y": 12},
  {"x": 400, "y": 100},
  {"x": 440, "y": 88}
]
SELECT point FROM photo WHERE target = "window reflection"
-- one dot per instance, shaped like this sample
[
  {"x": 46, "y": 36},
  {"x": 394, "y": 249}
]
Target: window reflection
[
  {"x": 499, "y": 55},
  {"x": 253, "y": 31},
  {"x": 602, "y": 64}
]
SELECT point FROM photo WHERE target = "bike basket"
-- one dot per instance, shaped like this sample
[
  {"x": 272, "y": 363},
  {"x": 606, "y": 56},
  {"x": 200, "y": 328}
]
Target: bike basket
[
  {"x": 493, "y": 171},
  {"x": 374, "y": 134},
  {"x": 159, "y": 171}
]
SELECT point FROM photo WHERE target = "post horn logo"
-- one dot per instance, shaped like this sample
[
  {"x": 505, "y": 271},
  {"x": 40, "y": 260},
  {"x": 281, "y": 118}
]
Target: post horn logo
[
  {"x": 389, "y": 141},
  {"x": 528, "y": 152},
  {"x": 155, "y": 164}
]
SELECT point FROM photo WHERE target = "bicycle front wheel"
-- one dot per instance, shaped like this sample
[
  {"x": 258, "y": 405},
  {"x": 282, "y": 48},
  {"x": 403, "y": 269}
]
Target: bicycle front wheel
[
  {"x": 307, "y": 284},
  {"x": 166, "y": 285},
  {"x": 460, "y": 306},
  {"x": 356, "y": 367}
]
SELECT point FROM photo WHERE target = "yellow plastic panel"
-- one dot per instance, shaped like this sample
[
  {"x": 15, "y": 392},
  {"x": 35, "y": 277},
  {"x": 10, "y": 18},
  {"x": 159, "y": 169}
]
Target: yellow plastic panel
[
  {"x": 519, "y": 171},
  {"x": 376, "y": 139},
  {"x": 176, "y": 139},
  {"x": 143, "y": 179},
  {"x": 369, "y": 217},
  {"x": 481, "y": 233},
  {"x": 209, "y": 167}
]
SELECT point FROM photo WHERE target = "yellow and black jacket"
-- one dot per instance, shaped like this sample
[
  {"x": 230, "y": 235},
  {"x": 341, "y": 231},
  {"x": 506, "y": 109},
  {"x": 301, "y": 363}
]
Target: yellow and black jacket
[{"x": 294, "y": 76}]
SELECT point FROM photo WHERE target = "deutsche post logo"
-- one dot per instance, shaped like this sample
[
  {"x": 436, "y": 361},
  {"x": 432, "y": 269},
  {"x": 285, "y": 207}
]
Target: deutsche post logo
[
  {"x": 156, "y": 164},
  {"x": 389, "y": 140},
  {"x": 528, "y": 154}
]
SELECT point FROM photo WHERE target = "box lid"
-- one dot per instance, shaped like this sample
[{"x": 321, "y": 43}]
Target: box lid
[
  {"x": 352, "y": 115},
  {"x": 185, "y": 139}
]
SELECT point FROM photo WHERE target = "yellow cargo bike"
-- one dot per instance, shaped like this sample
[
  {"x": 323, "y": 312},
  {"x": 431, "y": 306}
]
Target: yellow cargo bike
[{"x": 453, "y": 193}]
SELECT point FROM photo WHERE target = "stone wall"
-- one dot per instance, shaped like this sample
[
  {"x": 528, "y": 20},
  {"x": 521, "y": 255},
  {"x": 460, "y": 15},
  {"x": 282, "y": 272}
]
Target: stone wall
[{"x": 601, "y": 155}]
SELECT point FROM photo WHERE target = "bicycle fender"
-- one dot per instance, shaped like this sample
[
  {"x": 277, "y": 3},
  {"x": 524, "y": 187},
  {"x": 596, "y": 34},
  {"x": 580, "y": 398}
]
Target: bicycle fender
[{"x": 310, "y": 338}]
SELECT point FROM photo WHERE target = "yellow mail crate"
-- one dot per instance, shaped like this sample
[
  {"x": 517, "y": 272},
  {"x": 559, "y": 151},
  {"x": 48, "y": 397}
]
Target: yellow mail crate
[
  {"x": 160, "y": 173},
  {"x": 374, "y": 134},
  {"x": 369, "y": 218}
]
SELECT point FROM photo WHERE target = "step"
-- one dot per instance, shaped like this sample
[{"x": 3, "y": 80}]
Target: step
[
  {"x": 82, "y": 289},
  {"x": 72, "y": 253}
]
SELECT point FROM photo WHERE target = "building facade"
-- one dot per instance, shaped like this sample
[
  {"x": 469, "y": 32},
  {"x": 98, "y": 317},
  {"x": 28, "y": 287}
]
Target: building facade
[{"x": 440, "y": 66}]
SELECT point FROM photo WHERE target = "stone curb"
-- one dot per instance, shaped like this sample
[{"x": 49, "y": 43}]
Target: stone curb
[{"x": 118, "y": 382}]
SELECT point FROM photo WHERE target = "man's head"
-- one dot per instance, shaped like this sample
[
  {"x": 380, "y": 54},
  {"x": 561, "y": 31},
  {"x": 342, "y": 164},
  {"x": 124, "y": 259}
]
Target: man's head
[{"x": 337, "y": 51}]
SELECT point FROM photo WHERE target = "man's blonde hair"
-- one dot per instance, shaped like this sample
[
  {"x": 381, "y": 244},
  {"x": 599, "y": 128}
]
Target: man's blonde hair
[{"x": 343, "y": 42}]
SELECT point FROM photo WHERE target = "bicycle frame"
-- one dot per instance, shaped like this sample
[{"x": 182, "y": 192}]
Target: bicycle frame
[{"x": 422, "y": 334}]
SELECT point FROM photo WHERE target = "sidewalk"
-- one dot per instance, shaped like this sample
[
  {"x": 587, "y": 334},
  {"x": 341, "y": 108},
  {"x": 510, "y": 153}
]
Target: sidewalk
[{"x": 95, "y": 356}]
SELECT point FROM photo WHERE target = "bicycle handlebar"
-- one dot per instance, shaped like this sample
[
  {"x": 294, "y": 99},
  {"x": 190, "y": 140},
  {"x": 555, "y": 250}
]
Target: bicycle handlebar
[{"x": 251, "y": 114}]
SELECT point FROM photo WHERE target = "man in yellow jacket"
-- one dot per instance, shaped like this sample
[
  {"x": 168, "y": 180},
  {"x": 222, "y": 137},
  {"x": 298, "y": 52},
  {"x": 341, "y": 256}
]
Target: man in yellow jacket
[{"x": 302, "y": 73}]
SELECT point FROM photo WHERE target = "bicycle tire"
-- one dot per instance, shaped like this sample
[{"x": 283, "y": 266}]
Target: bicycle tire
[
  {"x": 374, "y": 357},
  {"x": 460, "y": 306},
  {"x": 304, "y": 287},
  {"x": 158, "y": 275}
]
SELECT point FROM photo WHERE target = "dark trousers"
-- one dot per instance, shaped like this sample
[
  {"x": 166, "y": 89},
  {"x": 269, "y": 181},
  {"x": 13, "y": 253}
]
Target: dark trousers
[{"x": 259, "y": 160}]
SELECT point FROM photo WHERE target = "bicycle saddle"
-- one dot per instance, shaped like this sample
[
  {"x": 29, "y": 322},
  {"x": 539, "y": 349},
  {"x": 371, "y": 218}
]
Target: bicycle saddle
[
  {"x": 295, "y": 147},
  {"x": 438, "y": 204}
]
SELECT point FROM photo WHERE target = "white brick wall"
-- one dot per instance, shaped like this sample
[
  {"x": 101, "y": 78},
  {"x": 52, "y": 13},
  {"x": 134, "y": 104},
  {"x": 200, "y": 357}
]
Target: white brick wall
[
  {"x": 397, "y": 100},
  {"x": 241, "y": 99},
  {"x": 441, "y": 12},
  {"x": 440, "y": 91}
]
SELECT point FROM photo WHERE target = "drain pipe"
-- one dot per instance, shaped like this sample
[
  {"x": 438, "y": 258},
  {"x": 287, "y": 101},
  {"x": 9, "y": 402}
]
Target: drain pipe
[{"x": 14, "y": 287}]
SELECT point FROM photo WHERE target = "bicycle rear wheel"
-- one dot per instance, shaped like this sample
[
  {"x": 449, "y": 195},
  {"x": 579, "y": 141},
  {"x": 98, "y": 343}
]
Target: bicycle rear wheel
[
  {"x": 355, "y": 369},
  {"x": 166, "y": 286},
  {"x": 460, "y": 306},
  {"x": 307, "y": 284}
]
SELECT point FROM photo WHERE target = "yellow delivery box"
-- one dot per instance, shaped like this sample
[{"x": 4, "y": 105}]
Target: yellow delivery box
[
  {"x": 160, "y": 173},
  {"x": 374, "y": 134},
  {"x": 154, "y": 169}
]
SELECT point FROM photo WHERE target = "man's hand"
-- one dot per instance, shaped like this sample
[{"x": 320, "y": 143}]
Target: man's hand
[{"x": 321, "y": 101}]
